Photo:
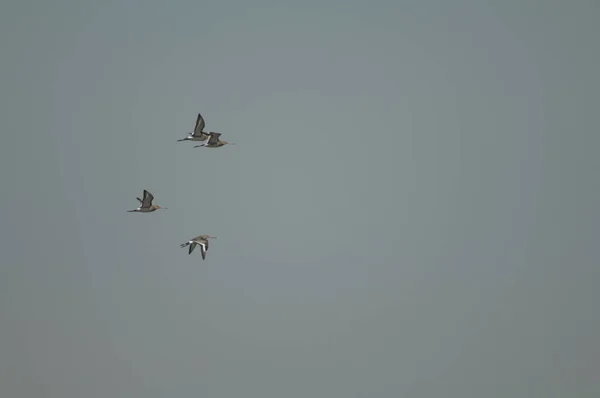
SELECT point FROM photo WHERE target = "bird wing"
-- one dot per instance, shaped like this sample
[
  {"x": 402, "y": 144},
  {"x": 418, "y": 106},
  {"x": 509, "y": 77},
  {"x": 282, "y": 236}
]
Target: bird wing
[
  {"x": 192, "y": 247},
  {"x": 148, "y": 198},
  {"x": 214, "y": 138},
  {"x": 203, "y": 248},
  {"x": 201, "y": 241},
  {"x": 199, "y": 125}
]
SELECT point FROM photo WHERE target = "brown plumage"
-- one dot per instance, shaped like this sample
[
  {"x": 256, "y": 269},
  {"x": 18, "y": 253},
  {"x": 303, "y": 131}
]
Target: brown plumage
[
  {"x": 214, "y": 141},
  {"x": 201, "y": 241},
  {"x": 146, "y": 205}
]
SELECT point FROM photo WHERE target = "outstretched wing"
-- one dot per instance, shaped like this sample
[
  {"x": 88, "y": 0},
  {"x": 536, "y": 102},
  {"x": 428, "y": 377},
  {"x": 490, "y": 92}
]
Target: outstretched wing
[
  {"x": 199, "y": 125},
  {"x": 148, "y": 198},
  {"x": 201, "y": 240},
  {"x": 214, "y": 138},
  {"x": 203, "y": 248},
  {"x": 192, "y": 247}
]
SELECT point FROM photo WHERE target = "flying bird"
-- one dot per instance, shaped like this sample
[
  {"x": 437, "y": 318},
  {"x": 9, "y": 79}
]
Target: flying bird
[
  {"x": 198, "y": 134},
  {"x": 201, "y": 241},
  {"x": 146, "y": 205},
  {"x": 214, "y": 141}
]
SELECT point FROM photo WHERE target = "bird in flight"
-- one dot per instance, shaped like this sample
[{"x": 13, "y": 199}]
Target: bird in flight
[
  {"x": 146, "y": 205},
  {"x": 201, "y": 241},
  {"x": 214, "y": 141},
  {"x": 198, "y": 134}
]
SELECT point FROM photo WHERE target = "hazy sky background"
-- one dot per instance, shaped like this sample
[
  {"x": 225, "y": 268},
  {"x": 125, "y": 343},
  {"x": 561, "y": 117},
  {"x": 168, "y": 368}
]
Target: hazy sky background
[{"x": 411, "y": 209}]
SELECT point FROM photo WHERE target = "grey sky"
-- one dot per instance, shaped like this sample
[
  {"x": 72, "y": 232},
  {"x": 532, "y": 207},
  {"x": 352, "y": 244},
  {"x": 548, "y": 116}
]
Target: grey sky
[{"x": 411, "y": 209}]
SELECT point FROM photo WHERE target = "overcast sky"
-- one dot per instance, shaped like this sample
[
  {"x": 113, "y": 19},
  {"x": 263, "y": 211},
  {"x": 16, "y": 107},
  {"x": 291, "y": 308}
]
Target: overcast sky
[{"x": 411, "y": 209}]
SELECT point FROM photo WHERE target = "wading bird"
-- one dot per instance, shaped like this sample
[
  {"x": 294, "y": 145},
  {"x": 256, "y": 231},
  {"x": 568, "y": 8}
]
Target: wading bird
[
  {"x": 201, "y": 241},
  {"x": 146, "y": 205},
  {"x": 198, "y": 134},
  {"x": 214, "y": 141}
]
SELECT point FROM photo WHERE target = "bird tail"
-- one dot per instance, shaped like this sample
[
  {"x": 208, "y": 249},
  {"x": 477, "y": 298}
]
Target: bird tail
[{"x": 184, "y": 244}]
